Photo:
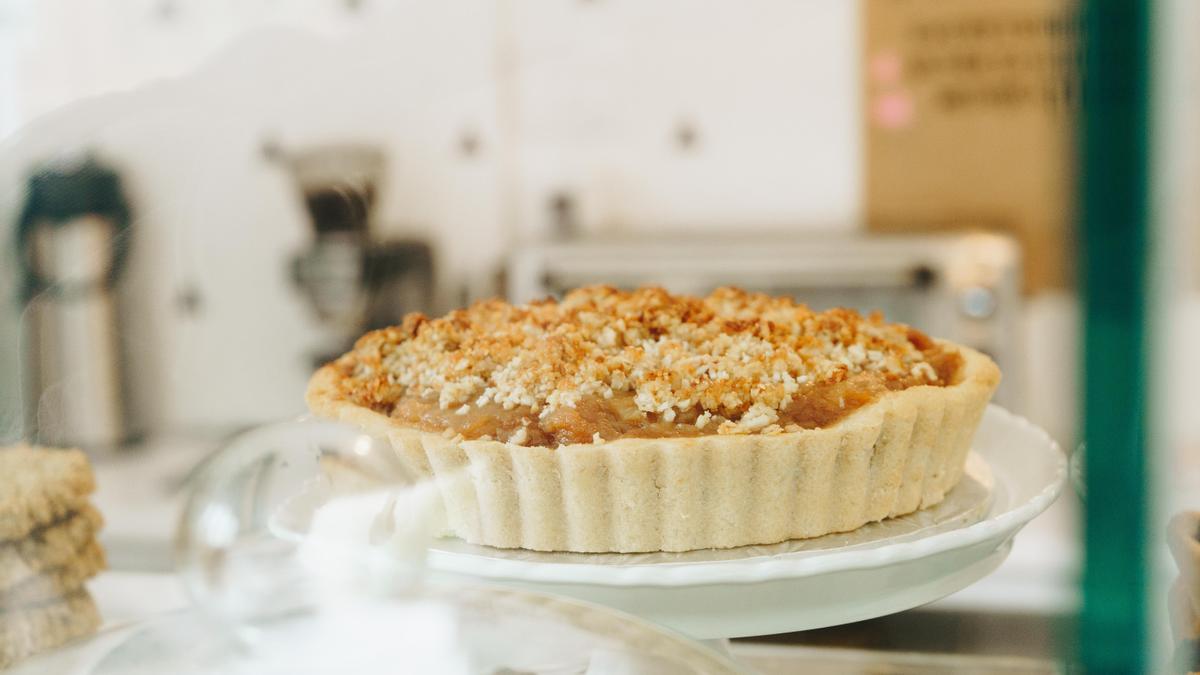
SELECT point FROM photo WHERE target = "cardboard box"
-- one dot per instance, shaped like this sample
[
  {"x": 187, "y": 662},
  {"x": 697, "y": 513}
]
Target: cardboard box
[{"x": 969, "y": 112}]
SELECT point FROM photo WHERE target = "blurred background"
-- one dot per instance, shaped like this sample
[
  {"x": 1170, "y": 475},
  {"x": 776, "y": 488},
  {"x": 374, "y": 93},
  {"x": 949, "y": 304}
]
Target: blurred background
[{"x": 201, "y": 201}]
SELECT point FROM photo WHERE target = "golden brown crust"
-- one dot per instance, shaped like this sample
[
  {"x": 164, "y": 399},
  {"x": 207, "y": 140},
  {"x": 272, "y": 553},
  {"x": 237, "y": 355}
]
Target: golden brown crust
[
  {"x": 39, "y": 486},
  {"x": 325, "y": 394},
  {"x": 729, "y": 363}
]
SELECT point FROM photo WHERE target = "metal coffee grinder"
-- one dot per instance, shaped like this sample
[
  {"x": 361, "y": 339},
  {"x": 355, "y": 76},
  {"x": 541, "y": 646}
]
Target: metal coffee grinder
[
  {"x": 353, "y": 279},
  {"x": 73, "y": 240}
]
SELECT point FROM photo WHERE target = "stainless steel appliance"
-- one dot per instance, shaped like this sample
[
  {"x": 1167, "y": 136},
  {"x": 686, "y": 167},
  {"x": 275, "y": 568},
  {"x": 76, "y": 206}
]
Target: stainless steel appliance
[
  {"x": 962, "y": 287},
  {"x": 353, "y": 280},
  {"x": 73, "y": 237}
]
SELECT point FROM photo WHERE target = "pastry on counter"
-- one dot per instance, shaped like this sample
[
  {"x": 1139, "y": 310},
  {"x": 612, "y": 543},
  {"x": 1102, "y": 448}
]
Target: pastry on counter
[
  {"x": 1183, "y": 536},
  {"x": 30, "y": 629},
  {"x": 53, "y": 547},
  {"x": 48, "y": 549},
  {"x": 645, "y": 421}
]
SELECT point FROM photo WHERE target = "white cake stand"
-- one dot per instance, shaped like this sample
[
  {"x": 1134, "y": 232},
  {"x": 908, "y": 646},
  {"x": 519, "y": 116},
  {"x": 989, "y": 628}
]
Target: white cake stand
[{"x": 805, "y": 585}]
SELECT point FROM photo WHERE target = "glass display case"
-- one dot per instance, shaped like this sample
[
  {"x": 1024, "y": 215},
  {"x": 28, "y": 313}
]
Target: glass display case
[{"x": 1016, "y": 180}]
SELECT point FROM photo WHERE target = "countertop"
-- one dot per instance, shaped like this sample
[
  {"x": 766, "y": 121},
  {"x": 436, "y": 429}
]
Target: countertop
[{"x": 126, "y": 598}]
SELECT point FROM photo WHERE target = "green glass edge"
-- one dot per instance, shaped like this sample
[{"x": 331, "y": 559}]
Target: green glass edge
[{"x": 1113, "y": 227}]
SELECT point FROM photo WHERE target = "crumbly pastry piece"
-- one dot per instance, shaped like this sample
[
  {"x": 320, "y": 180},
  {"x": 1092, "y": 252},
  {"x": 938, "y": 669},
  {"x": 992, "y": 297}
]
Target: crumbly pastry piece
[
  {"x": 739, "y": 419},
  {"x": 58, "y": 581},
  {"x": 39, "y": 486},
  {"x": 29, "y": 630},
  {"x": 48, "y": 547},
  {"x": 1183, "y": 538}
]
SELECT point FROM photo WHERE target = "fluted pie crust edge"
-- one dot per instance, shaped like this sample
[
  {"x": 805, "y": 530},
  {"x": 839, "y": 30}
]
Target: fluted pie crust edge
[{"x": 898, "y": 454}]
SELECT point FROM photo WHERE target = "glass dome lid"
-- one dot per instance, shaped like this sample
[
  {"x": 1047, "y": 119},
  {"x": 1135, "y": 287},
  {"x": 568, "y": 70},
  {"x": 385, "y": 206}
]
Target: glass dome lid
[{"x": 302, "y": 546}]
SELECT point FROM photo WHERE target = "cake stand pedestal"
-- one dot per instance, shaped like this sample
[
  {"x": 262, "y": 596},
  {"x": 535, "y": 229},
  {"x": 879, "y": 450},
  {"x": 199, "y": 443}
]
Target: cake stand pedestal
[{"x": 718, "y": 612}]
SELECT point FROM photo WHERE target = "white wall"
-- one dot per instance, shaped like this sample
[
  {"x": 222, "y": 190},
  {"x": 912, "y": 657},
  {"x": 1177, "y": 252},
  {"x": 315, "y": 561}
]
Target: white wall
[
  {"x": 768, "y": 88},
  {"x": 581, "y": 95}
]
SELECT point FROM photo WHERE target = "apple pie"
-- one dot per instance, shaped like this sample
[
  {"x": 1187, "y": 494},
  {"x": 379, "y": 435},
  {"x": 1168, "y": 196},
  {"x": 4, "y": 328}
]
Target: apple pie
[{"x": 618, "y": 421}]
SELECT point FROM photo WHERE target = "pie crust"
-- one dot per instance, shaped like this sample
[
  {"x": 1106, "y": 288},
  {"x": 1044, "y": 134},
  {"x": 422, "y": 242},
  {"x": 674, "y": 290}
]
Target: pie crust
[{"x": 902, "y": 452}]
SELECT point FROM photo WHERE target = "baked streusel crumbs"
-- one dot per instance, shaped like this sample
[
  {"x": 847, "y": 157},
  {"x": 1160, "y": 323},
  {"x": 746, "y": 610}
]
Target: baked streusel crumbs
[{"x": 606, "y": 364}]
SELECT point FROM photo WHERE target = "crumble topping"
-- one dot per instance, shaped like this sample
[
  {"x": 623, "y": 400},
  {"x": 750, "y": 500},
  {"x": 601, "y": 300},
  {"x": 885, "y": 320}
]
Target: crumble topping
[{"x": 732, "y": 362}]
